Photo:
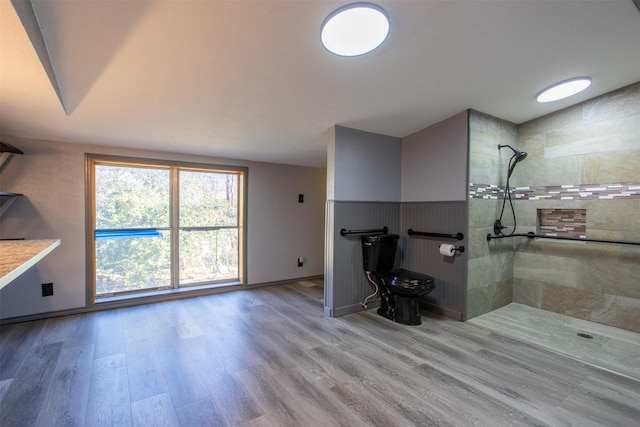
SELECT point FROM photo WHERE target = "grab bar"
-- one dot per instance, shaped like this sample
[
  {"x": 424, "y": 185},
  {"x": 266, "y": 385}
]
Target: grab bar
[
  {"x": 458, "y": 236},
  {"x": 532, "y": 235},
  {"x": 344, "y": 231}
]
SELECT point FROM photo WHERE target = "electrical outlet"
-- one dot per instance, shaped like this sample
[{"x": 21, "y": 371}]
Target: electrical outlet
[
  {"x": 300, "y": 261},
  {"x": 47, "y": 289}
]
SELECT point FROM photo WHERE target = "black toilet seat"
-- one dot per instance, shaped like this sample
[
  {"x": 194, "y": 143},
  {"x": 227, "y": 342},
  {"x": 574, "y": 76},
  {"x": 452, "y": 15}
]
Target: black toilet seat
[{"x": 409, "y": 283}]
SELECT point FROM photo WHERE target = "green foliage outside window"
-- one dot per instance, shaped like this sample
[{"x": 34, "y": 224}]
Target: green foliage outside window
[{"x": 131, "y": 197}]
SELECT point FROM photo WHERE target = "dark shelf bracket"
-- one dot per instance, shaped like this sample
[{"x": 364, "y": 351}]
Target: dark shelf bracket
[
  {"x": 5, "y": 147},
  {"x": 7, "y": 150},
  {"x": 6, "y": 200}
]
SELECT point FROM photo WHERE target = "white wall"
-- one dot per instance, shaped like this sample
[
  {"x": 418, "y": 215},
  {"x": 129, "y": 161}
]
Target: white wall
[
  {"x": 51, "y": 175},
  {"x": 434, "y": 162},
  {"x": 363, "y": 166}
]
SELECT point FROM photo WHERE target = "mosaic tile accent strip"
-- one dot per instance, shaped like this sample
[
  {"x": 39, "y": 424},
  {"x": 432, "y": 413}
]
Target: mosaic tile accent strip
[
  {"x": 563, "y": 222},
  {"x": 626, "y": 190}
]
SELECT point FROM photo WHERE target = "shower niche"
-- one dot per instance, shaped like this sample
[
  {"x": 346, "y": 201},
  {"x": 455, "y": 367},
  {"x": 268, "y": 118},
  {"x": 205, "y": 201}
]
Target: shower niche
[{"x": 562, "y": 223}]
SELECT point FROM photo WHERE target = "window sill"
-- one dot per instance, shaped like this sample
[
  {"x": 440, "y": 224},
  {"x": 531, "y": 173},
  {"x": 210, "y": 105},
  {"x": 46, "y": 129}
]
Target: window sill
[{"x": 165, "y": 294}]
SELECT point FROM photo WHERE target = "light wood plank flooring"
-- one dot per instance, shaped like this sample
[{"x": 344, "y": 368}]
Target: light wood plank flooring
[{"x": 268, "y": 357}]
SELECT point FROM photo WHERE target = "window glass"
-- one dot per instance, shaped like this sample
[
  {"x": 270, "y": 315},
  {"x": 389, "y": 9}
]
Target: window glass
[
  {"x": 131, "y": 197},
  {"x": 208, "y": 199}
]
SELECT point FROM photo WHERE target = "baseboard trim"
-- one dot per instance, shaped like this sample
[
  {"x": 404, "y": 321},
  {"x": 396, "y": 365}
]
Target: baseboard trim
[
  {"x": 348, "y": 309},
  {"x": 355, "y": 308},
  {"x": 150, "y": 299},
  {"x": 443, "y": 311}
]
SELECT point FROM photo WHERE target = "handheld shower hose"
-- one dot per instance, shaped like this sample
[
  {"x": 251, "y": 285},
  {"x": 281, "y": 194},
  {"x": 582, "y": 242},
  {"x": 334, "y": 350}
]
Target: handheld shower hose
[{"x": 517, "y": 157}]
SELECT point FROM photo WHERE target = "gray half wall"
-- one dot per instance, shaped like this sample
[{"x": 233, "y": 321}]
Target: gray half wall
[
  {"x": 422, "y": 254},
  {"x": 345, "y": 283}
]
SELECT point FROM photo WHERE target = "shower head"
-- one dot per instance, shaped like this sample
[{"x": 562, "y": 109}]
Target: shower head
[
  {"x": 520, "y": 155},
  {"x": 517, "y": 157}
]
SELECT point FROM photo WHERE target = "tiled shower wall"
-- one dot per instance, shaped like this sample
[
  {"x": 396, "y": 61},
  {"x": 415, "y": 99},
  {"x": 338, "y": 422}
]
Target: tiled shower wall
[
  {"x": 490, "y": 267},
  {"x": 593, "y": 151},
  {"x": 584, "y": 157}
]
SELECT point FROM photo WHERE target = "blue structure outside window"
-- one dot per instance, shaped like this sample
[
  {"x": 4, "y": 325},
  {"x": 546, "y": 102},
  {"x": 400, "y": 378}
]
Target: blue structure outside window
[{"x": 127, "y": 234}]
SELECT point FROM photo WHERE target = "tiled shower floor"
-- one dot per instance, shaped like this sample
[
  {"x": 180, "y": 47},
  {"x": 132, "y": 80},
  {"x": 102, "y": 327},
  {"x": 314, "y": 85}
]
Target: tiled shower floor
[{"x": 610, "y": 348}]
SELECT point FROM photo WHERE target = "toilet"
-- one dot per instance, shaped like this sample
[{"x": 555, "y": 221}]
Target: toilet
[{"x": 400, "y": 290}]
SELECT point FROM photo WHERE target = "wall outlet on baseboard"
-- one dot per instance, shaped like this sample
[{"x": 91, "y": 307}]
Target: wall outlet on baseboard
[{"x": 47, "y": 289}]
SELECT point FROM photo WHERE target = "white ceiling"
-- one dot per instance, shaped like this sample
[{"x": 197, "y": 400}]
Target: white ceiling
[{"x": 250, "y": 79}]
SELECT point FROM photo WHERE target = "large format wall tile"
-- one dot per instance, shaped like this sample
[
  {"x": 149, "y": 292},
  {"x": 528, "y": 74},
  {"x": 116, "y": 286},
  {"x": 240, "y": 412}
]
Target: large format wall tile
[
  {"x": 563, "y": 271},
  {"x": 621, "y": 279},
  {"x": 528, "y": 292},
  {"x": 630, "y": 133},
  {"x": 490, "y": 265},
  {"x": 627, "y": 314},
  {"x": 558, "y": 120},
  {"x": 590, "y": 138},
  {"x": 613, "y": 105},
  {"x": 487, "y": 270},
  {"x": 485, "y": 134},
  {"x": 484, "y": 212},
  {"x": 584, "y": 157},
  {"x": 599, "y": 150},
  {"x": 614, "y": 215},
  {"x": 609, "y": 167},
  {"x": 574, "y": 302},
  {"x": 487, "y": 298}
]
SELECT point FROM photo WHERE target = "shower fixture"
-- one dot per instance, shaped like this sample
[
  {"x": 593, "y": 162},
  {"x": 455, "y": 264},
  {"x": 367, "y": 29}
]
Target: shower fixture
[{"x": 516, "y": 158}]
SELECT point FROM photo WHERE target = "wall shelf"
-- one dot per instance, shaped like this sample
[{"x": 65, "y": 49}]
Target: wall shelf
[{"x": 6, "y": 152}]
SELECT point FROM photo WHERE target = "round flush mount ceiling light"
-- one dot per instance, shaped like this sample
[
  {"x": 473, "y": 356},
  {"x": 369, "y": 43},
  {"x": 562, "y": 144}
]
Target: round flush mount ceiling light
[
  {"x": 355, "y": 29},
  {"x": 564, "y": 89}
]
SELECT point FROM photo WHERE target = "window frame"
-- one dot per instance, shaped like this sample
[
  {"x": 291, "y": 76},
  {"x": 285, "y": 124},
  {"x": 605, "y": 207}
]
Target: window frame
[{"x": 91, "y": 160}]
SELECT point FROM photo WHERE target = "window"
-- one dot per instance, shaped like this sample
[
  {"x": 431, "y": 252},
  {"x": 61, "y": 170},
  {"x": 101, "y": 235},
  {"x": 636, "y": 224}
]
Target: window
[
  {"x": 208, "y": 226},
  {"x": 160, "y": 226}
]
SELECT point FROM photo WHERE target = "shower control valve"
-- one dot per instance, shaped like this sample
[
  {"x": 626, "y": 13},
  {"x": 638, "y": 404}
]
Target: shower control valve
[{"x": 498, "y": 227}]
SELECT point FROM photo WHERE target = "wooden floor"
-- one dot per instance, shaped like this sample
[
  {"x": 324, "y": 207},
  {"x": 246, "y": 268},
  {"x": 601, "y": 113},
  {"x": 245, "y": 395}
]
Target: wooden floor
[{"x": 268, "y": 357}]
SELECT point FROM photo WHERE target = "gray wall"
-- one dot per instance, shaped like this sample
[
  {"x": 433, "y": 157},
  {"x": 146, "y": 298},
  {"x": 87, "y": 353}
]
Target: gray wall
[
  {"x": 345, "y": 282},
  {"x": 363, "y": 192},
  {"x": 51, "y": 175},
  {"x": 364, "y": 166},
  {"x": 434, "y": 162},
  {"x": 434, "y": 194},
  {"x": 422, "y": 254},
  {"x": 280, "y": 229},
  {"x": 369, "y": 175}
]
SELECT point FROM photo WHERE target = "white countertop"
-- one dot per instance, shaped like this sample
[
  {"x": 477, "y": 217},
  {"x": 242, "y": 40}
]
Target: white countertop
[{"x": 17, "y": 256}]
